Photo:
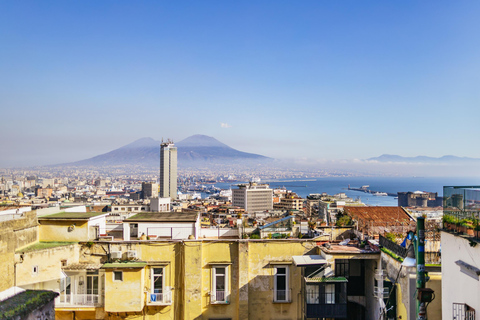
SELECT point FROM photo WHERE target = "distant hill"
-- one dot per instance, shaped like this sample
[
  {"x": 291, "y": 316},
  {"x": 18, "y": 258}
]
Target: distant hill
[
  {"x": 424, "y": 159},
  {"x": 146, "y": 152}
]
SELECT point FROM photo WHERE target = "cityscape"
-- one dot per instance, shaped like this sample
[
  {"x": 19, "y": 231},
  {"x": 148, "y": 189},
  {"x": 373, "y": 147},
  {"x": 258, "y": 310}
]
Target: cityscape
[{"x": 228, "y": 161}]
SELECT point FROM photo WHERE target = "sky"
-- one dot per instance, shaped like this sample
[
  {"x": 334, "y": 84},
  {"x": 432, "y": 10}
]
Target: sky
[{"x": 286, "y": 79}]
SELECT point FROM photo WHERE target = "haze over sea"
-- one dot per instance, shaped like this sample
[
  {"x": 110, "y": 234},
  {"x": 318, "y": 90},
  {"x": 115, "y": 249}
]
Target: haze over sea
[{"x": 333, "y": 185}]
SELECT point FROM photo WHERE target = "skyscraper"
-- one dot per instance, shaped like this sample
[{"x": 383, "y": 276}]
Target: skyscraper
[{"x": 168, "y": 170}]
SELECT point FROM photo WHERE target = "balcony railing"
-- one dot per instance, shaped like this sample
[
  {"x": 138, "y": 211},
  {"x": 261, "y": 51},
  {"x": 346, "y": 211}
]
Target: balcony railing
[
  {"x": 219, "y": 297},
  {"x": 164, "y": 298},
  {"x": 79, "y": 300},
  {"x": 282, "y": 296}
]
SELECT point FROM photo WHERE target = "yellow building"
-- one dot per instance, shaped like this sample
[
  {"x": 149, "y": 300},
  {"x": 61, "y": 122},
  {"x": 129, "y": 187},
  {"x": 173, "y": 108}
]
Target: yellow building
[{"x": 200, "y": 279}]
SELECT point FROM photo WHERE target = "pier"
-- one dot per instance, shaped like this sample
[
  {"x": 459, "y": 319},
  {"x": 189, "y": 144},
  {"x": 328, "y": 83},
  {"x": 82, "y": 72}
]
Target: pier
[{"x": 366, "y": 189}]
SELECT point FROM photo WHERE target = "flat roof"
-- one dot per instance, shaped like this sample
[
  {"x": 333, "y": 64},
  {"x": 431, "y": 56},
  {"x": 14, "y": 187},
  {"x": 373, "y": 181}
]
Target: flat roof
[
  {"x": 164, "y": 217},
  {"x": 308, "y": 260},
  {"x": 72, "y": 216}
]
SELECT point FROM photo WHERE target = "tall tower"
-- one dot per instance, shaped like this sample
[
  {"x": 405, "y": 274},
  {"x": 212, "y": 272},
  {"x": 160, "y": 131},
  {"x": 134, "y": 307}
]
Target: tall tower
[{"x": 168, "y": 170}]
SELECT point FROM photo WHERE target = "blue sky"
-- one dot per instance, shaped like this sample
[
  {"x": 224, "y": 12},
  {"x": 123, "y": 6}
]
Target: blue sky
[{"x": 314, "y": 79}]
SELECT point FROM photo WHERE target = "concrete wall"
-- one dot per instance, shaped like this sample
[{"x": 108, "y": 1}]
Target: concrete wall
[
  {"x": 127, "y": 295},
  {"x": 15, "y": 234},
  {"x": 458, "y": 286},
  {"x": 48, "y": 263},
  {"x": 59, "y": 230}
]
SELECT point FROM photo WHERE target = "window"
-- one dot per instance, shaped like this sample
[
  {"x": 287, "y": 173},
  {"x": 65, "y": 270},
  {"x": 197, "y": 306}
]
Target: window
[
  {"x": 281, "y": 290},
  {"x": 157, "y": 286},
  {"x": 64, "y": 263},
  {"x": 219, "y": 284},
  {"x": 330, "y": 294},
  {"x": 35, "y": 270},
  {"x": 117, "y": 275},
  {"x": 462, "y": 311}
]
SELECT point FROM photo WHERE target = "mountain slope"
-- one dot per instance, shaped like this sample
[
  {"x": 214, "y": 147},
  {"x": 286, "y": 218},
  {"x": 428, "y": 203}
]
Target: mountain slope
[
  {"x": 146, "y": 152},
  {"x": 423, "y": 159}
]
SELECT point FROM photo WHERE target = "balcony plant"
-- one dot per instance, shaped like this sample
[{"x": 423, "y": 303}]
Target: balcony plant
[{"x": 449, "y": 222}]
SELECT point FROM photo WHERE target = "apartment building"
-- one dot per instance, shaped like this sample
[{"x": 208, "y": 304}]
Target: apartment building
[{"x": 253, "y": 197}]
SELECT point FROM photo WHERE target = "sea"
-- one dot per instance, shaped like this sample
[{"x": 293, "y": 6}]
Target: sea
[{"x": 334, "y": 185}]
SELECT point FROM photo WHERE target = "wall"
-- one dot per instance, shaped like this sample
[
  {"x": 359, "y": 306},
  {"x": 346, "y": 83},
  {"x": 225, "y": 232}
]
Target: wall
[
  {"x": 48, "y": 262},
  {"x": 58, "y": 230},
  {"x": 459, "y": 287},
  {"x": 15, "y": 234},
  {"x": 130, "y": 290}
]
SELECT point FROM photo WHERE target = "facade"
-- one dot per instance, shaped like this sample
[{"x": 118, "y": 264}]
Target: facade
[
  {"x": 205, "y": 279},
  {"x": 72, "y": 226},
  {"x": 291, "y": 202},
  {"x": 149, "y": 190},
  {"x": 168, "y": 170},
  {"x": 253, "y": 197}
]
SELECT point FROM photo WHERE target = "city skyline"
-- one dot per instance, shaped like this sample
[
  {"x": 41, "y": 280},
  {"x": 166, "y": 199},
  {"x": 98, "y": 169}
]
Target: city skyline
[{"x": 334, "y": 80}]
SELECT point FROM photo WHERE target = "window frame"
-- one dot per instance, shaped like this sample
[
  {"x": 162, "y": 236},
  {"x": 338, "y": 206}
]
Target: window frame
[
  {"x": 213, "y": 292},
  {"x": 276, "y": 277},
  {"x": 117, "y": 272}
]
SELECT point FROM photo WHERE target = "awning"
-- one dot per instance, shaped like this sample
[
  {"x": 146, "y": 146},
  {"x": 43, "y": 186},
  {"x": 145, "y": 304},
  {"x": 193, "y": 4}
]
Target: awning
[
  {"x": 301, "y": 261},
  {"x": 326, "y": 279}
]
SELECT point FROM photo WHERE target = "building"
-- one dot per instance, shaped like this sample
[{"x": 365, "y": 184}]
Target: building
[
  {"x": 290, "y": 202},
  {"x": 168, "y": 170},
  {"x": 149, "y": 190},
  {"x": 253, "y": 197},
  {"x": 461, "y": 253},
  {"x": 158, "y": 225},
  {"x": 419, "y": 199}
]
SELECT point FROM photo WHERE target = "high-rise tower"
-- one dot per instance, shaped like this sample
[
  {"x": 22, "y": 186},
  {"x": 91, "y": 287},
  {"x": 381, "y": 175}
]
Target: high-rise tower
[{"x": 168, "y": 170}]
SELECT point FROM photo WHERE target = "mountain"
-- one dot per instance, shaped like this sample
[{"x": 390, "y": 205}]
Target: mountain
[
  {"x": 146, "y": 152},
  {"x": 205, "y": 148},
  {"x": 423, "y": 159}
]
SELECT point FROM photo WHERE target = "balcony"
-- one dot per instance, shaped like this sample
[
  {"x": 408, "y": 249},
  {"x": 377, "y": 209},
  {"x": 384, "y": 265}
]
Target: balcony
[
  {"x": 282, "y": 296},
  {"x": 79, "y": 300},
  {"x": 461, "y": 211},
  {"x": 160, "y": 299}
]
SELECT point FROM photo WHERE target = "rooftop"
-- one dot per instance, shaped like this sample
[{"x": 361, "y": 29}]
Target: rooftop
[
  {"x": 24, "y": 303},
  {"x": 72, "y": 216},
  {"x": 164, "y": 217},
  {"x": 44, "y": 245},
  {"x": 379, "y": 215}
]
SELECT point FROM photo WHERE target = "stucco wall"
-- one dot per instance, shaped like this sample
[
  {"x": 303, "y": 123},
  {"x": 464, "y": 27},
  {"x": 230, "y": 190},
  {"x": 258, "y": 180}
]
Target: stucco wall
[
  {"x": 459, "y": 287},
  {"x": 48, "y": 261},
  {"x": 15, "y": 234},
  {"x": 57, "y": 230}
]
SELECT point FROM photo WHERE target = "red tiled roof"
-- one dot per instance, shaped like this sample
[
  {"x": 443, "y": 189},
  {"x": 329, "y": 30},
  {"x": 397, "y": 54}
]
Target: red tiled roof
[{"x": 379, "y": 215}]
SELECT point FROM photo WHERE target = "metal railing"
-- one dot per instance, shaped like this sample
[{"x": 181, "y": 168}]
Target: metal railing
[
  {"x": 392, "y": 246},
  {"x": 160, "y": 298},
  {"x": 282, "y": 295},
  {"x": 219, "y": 296},
  {"x": 79, "y": 300}
]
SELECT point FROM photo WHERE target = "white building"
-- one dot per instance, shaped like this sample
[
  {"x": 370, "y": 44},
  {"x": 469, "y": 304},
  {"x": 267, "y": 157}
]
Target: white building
[
  {"x": 162, "y": 225},
  {"x": 168, "y": 170},
  {"x": 461, "y": 277},
  {"x": 253, "y": 197}
]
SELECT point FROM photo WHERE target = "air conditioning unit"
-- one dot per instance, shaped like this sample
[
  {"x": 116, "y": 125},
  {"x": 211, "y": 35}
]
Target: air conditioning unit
[
  {"x": 116, "y": 255},
  {"x": 131, "y": 255}
]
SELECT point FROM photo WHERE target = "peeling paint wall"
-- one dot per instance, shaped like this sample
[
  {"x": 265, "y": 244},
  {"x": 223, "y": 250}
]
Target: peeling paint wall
[
  {"x": 126, "y": 295},
  {"x": 56, "y": 230},
  {"x": 48, "y": 263},
  {"x": 15, "y": 234}
]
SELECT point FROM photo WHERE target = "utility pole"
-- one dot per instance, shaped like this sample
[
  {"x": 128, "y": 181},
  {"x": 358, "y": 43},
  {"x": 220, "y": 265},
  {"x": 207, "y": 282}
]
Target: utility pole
[
  {"x": 420, "y": 254},
  {"x": 424, "y": 295}
]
